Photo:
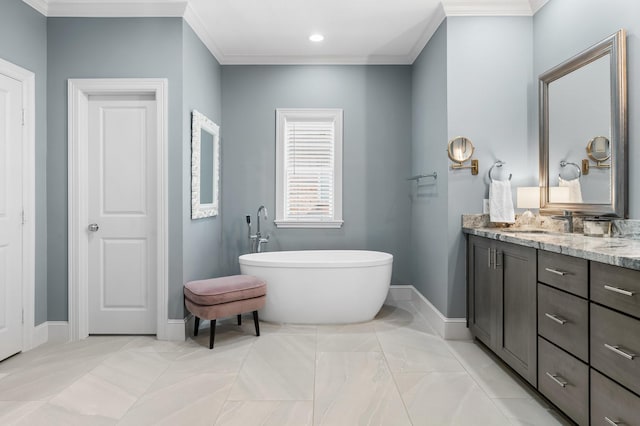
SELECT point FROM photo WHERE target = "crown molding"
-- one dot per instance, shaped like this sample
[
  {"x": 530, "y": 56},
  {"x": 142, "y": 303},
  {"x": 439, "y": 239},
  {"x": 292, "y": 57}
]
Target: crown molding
[
  {"x": 487, "y": 8},
  {"x": 195, "y": 22},
  {"x": 437, "y": 19},
  {"x": 315, "y": 60},
  {"x": 536, "y": 5},
  {"x": 109, "y": 8},
  {"x": 41, "y": 6}
]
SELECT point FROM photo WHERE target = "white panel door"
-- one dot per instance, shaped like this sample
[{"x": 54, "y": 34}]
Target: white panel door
[
  {"x": 122, "y": 217},
  {"x": 11, "y": 104}
]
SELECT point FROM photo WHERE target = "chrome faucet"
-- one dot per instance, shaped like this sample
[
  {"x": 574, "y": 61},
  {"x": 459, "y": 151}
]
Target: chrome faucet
[
  {"x": 568, "y": 218},
  {"x": 257, "y": 241}
]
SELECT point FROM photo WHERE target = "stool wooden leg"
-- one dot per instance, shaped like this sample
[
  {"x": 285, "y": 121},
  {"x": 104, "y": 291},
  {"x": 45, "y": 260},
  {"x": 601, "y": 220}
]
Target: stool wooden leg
[
  {"x": 212, "y": 334},
  {"x": 255, "y": 321},
  {"x": 195, "y": 329},
  {"x": 239, "y": 319}
]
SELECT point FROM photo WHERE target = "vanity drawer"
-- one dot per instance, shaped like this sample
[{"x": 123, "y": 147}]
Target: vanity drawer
[
  {"x": 564, "y": 320},
  {"x": 611, "y": 403},
  {"x": 564, "y": 380},
  {"x": 616, "y": 287},
  {"x": 615, "y": 345},
  {"x": 567, "y": 273}
]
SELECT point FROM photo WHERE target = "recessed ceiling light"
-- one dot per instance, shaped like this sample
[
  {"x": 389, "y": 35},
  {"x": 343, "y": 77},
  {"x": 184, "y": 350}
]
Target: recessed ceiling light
[{"x": 316, "y": 37}]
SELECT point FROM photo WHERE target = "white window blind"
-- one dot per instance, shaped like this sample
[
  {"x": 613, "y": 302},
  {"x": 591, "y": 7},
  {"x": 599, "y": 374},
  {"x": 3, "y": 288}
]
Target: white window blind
[
  {"x": 309, "y": 168},
  {"x": 309, "y": 161}
]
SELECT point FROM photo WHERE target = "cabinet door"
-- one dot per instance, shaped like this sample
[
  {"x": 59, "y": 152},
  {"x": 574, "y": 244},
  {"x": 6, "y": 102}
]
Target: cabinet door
[
  {"x": 516, "y": 306},
  {"x": 481, "y": 297}
]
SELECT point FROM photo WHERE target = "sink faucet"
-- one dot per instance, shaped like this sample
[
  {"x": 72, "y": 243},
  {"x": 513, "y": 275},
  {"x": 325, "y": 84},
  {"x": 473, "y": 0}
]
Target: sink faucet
[
  {"x": 567, "y": 216},
  {"x": 257, "y": 241}
]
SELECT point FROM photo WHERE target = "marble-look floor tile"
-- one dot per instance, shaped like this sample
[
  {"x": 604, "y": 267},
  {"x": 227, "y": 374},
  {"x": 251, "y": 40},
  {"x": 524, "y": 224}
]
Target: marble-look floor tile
[
  {"x": 348, "y": 338},
  {"x": 529, "y": 412},
  {"x": 413, "y": 351},
  {"x": 447, "y": 399},
  {"x": 12, "y": 412},
  {"x": 493, "y": 378},
  {"x": 356, "y": 388},
  {"x": 278, "y": 367},
  {"x": 51, "y": 415},
  {"x": 267, "y": 328},
  {"x": 266, "y": 413},
  {"x": 111, "y": 388},
  {"x": 181, "y": 398}
]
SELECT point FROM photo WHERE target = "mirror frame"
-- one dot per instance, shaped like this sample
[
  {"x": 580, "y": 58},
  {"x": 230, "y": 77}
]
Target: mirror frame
[
  {"x": 199, "y": 123},
  {"x": 615, "y": 46}
]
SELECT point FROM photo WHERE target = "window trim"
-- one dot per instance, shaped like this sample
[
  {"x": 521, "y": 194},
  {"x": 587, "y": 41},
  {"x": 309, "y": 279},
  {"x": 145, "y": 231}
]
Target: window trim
[{"x": 330, "y": 114}]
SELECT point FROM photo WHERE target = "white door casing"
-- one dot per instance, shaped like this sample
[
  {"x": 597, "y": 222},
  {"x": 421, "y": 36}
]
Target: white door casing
[
  {"x": 80, "y": 91},
  {"x": 10, "y": 216},
  {"x": 122, "y": 208},
  {"x": 17, "y": 209}
]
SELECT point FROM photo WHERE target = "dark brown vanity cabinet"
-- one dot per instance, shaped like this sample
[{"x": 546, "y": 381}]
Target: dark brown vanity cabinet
[
  {"x": 571, "y": 323},
  {"x": 502, "y": 301}
]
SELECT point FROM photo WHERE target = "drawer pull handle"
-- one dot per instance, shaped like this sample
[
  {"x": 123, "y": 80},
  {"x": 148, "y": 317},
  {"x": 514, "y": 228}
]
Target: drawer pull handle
[
  {"x": 611, "y": 422},
  {"x": 556, "y": 318},
  {"x": 559, "y": 380},
  {"x": 619, "y": 351},
  {"x": 555, "y": 271},
  {"x": 619, "y": 290}
]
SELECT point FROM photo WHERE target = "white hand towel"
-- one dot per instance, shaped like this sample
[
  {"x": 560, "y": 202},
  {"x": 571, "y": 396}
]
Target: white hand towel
[
  {"x": 575, "y": 190},
  {"x": 501, "y": 202}
]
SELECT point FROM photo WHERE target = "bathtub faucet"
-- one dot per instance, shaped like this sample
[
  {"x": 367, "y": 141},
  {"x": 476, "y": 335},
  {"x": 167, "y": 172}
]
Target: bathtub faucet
[{"x": 257, "y": 240}]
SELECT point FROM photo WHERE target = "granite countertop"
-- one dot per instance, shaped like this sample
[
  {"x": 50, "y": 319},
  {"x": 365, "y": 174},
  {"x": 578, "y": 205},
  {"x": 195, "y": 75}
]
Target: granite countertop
[{"x": 617, "y": 251}]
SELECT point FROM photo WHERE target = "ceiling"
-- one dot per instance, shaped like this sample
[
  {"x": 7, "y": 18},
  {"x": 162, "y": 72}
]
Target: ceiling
[{"x": 277, "y": 31}]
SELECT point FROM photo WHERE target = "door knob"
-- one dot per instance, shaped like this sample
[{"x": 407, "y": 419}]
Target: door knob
[{"x": 93, "y": 227}]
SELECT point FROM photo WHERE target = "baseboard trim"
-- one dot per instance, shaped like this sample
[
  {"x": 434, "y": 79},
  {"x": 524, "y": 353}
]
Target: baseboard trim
[
  {"x": 177, "y": 330},
  {"x": 447, "y": 328},
  {"x": 58, "y": 332},
  {"x": 40, "y": 335}
]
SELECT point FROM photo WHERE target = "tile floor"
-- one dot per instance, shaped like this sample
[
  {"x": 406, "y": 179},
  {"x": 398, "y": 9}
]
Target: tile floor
[{"x": 391, "y": 371}]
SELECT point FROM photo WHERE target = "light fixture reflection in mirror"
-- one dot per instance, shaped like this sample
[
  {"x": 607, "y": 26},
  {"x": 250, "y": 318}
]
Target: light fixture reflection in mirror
[{"x": 460, "y": 150}]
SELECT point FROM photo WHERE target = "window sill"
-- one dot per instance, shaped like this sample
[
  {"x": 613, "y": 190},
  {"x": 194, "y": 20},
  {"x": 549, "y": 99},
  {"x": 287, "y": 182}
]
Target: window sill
[{"x": 297, "y": 224}]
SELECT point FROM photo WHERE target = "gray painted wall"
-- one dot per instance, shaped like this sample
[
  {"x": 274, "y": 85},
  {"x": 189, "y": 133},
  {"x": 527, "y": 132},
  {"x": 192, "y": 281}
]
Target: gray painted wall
[
  {"x": 23, "y": 41},
  {"x": 563, "y": 28},
  {"x": 202, "y": 238},
  {"x": 377, "y": 133},
  {"x": 472, "y": 79},
  {"x": 489, "y": 74},
  {"x": 429, "y": 208},
  {"x": 110, "y": 48}
]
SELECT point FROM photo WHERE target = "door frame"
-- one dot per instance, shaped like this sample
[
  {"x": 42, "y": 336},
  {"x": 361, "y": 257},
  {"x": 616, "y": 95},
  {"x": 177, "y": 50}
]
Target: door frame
[
  {"x": 79, "y": 91},
  {"x": 28, "y": 81}
]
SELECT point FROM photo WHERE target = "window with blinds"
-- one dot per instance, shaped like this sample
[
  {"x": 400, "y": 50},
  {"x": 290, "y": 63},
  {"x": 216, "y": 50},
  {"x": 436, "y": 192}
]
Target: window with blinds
[{"x": 309, "y": 168}]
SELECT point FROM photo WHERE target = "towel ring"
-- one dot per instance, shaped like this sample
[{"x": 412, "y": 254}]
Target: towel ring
[
  {"x": 498, "y": 163},
  {"x": 565, "y": 164}
]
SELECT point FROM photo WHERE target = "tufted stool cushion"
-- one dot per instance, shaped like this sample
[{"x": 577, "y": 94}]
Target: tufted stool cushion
[{"x": 222, "y": 297}]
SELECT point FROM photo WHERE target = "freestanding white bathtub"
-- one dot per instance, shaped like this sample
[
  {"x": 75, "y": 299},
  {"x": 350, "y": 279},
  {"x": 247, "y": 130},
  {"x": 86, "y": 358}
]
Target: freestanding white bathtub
[{"x": 321, "y": 286}]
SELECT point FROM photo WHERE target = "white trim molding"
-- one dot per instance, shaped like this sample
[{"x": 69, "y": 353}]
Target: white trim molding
[
  {"x": 109, "y": 8},
  {"x": 79, "y": 91},
  {"x": 27, "y": 80},
  {"x": 447, "y": 328}
]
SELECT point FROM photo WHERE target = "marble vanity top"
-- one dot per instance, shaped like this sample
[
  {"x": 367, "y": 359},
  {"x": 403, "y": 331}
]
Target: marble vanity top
[{"x": 617, "y": 251}]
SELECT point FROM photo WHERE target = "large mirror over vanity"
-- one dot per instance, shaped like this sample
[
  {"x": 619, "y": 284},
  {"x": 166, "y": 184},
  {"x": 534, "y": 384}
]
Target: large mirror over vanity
[{"x": 583, "y": 132}]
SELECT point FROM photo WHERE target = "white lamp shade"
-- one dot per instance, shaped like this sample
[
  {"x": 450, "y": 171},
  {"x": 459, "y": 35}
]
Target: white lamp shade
[
  {"x": 559, "y": 194},
  {"x": 528, "y": 197}
]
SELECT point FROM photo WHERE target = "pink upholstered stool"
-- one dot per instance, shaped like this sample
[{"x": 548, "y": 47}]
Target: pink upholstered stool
[{"x": 223, "y": 297}]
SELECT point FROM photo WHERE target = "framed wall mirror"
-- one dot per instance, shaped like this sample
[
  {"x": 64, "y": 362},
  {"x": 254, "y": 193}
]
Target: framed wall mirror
[
  {"x": 205, "y": 166},
  {"x": 581, "y": 100}
]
